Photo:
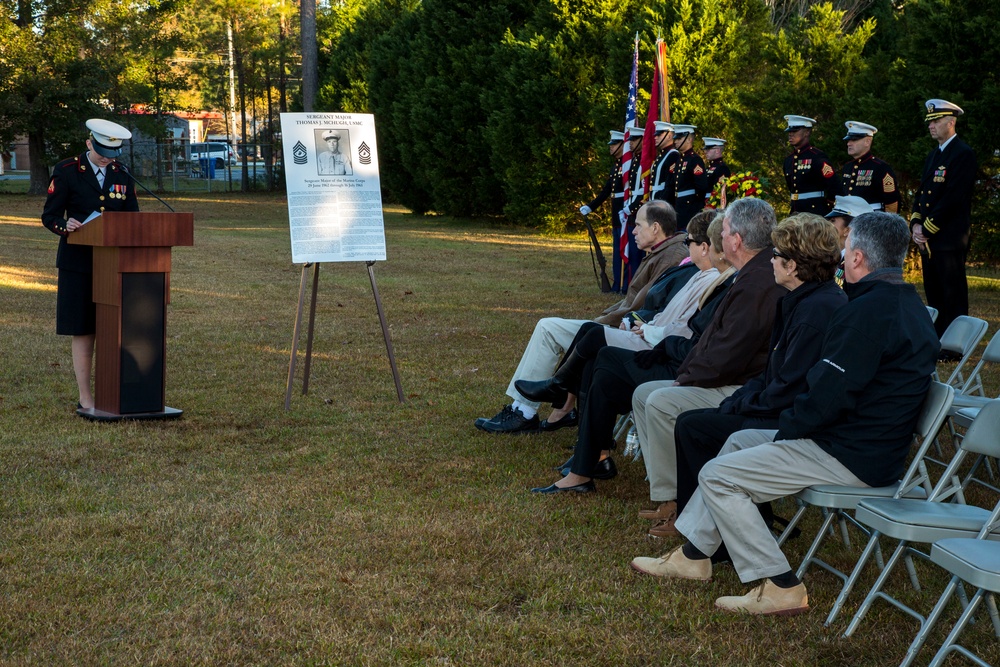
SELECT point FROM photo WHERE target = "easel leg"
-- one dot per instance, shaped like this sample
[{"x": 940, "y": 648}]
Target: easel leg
[
  {"x": 309, "y": 334},
  {"x": 295, "y": 339},
  {"x": 385, "y": 334}
]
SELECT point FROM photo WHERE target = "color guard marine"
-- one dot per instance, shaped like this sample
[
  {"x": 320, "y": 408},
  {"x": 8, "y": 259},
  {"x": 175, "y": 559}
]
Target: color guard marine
[
  {"x": 717, "y": 167},
  {"x": 811, "y": 179},
  {"x": 688, "y": 177},
  {"x": 867, "y": 176},
  {"x": 667, "y": 156},
  {"x": 613, "y": 189}
]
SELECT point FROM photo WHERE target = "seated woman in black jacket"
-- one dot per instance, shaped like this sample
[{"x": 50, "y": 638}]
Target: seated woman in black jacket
[{"x": 806, "y": 256}]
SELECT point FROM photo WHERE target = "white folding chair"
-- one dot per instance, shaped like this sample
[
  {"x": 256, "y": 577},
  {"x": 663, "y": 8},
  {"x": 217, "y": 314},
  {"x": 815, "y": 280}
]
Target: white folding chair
[
  {"x": 961, "y": 338},
  {"x": 933, "y": 312},
  {"x": 943, "y": 515},
  {"x": 972, "y": 393},
  {"x": 977, "y": 562},
  {"x": 835, "y": 501}
]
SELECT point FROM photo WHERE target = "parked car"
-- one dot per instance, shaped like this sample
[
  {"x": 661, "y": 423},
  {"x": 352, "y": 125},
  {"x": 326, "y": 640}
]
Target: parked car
[{"x": 214, "y": 150}]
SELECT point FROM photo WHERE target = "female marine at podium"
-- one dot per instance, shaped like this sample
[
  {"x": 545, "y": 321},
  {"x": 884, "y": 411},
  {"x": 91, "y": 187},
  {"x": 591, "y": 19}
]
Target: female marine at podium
[{"x": 92, "y": 182}]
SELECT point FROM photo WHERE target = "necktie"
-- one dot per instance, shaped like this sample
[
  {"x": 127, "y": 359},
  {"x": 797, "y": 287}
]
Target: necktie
[{"x": 100, "y": 177}]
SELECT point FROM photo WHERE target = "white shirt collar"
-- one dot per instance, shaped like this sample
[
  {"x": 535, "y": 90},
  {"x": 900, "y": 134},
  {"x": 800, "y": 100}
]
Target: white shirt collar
[
  {"x": 92, "y": 165},
  {"x": 945, "y": 144}
]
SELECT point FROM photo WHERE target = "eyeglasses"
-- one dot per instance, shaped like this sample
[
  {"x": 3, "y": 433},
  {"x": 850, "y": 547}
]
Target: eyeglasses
[
  {"x": 689, "y": 240},
  {"x": 778, "y": 253}
]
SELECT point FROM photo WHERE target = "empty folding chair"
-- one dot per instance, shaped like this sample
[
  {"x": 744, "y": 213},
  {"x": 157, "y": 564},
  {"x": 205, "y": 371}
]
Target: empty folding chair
[
  {"x": 836, "y": 501},
  {"x": 943, "y": 515},
  {"x": 961, "y": 338},
  {"x": 972, "y": 392},
  {"x": 977, "y": 562}
]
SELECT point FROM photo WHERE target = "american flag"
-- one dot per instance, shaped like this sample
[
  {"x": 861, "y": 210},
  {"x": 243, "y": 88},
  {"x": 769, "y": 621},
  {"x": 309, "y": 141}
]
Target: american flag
[{"x": 633, "y": 93}]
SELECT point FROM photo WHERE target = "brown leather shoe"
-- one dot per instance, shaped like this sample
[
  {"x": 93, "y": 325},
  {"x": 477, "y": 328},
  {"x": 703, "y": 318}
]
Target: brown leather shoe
[
  {"x": 663, "y": 511},
  {"x": 665, "y": 528},
  {"x": 768, "y": 600},
  {"x": 674, "y": 565}
]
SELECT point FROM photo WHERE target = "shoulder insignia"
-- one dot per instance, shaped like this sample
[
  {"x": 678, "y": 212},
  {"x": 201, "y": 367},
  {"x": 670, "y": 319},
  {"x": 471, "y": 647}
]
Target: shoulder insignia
[
  {"x": 52, "y": 186},
  {"x": 888, "y": 184},
  {"x": 698, "y": 171},
  {"x": 827, "y": 170}
]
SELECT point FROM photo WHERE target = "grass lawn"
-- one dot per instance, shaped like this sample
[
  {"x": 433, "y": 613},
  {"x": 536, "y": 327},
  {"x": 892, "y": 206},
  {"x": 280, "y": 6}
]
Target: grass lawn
[{"x": 350, "y": 529}]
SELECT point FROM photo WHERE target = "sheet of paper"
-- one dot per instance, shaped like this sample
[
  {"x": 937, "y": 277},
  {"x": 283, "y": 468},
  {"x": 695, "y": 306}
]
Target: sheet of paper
[{"x": 95, "y": 214}]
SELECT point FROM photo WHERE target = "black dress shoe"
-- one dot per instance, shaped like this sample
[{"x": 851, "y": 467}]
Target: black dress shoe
[
  {"x": 509, "y": 420},
  {"x": 605, "y": 469},
  {"x": 572, "y": 419},
  {"x": 586, "y": 487},
  {"x": 543, "y": 391}
]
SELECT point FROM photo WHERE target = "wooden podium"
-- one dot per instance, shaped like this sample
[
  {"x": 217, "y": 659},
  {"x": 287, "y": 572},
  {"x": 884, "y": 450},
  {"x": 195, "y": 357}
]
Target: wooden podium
[{"x": 131, "y": 290}]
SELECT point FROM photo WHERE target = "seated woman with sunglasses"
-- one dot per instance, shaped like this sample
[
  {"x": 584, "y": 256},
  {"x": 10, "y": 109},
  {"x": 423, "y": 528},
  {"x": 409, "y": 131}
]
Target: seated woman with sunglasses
[{"x": 700, "y": 296}]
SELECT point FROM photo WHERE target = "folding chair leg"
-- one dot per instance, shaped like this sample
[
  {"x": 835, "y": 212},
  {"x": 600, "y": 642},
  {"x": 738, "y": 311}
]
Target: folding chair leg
[
  {"x": 843, "y": 530},
  {"x": 930, "y": 622},
  {"x": 793, "y": 522},
  {"x": 814, "y": 547},
  {"x": 912, "y": 571},
  {"x": 879, "y": 583},
  {"x": 950, "y": 642},
  {"x": 853, "y": 579}
]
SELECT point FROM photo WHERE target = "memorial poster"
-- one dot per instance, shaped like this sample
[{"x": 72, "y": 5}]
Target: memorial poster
[{"x": 332, "y": 181}]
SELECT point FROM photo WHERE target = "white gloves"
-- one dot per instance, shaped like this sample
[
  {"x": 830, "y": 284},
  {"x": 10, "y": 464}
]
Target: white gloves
[{"x": 584, "y": 210}]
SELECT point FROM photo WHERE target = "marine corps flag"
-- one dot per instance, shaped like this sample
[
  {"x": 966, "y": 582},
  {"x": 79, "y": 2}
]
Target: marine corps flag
[{"x": 659, "y": 109}]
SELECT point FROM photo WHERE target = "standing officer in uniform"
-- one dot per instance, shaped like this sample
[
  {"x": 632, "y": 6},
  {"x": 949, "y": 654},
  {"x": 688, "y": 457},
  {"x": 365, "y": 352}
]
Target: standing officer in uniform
[
  {"x": 89, "y": 183},
  {"x": 612, "y": 188},
  {"x": 717, "y": 167},
  {"x": 865, "y": 175},
  {"x": 668, "y": 155},
  {"x": 811, "y": 179},
  {"x": 942, "y": 210},
  {"x": 633, "y": 205},
  {"x": 689, "y": 180}
]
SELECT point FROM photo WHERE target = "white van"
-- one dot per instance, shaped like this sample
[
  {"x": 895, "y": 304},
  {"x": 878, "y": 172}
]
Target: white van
[{"x": 215, "y": 150}]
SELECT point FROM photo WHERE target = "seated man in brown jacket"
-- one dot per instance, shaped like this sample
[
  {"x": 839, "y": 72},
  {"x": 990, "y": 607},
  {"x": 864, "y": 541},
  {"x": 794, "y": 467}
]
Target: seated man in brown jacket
[{"x": 656, "y": 233}]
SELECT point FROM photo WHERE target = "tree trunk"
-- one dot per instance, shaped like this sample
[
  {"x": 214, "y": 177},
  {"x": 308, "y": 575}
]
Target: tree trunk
[
  {"x": 39, "y": 184},
  {"x": 310, "y": 54}
]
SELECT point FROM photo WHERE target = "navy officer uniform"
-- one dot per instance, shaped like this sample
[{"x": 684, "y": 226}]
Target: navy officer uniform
[
  {"x": 811, "y": 179},
  {"x": 865, "y": 175},
  {"x": 942, "y": 210},
  {"x": 688, "y": 177},
  {"x": 717, "y": 168},
  {"x": 612, "y": 188}
]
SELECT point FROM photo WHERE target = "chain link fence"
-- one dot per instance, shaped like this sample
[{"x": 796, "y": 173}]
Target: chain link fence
[{"x": 182, "y": 166}]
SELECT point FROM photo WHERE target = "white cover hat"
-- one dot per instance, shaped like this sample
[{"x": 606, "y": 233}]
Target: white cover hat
[
  {"x": 106, "y": 137},
  {"x": 795, "y": 122}
]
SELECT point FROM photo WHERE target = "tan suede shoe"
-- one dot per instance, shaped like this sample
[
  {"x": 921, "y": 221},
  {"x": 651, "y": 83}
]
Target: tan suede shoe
[
  {"x": 662, "y": 511},
  {"x": 768, "y": 600},
  {"x": 674, "y": 564}
]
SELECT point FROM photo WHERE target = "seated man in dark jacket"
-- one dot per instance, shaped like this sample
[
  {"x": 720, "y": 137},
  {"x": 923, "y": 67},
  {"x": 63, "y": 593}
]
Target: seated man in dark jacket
[
  {"x": 853, "y": 426},
  {"x": 730, "y": 349}
]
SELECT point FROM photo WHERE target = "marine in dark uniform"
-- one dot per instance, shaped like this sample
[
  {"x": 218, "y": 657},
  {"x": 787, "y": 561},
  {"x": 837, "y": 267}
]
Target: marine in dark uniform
[
  {"x": 82, "y": 185},
  {"x": 865, "y": 175},
  {"x": 717, "y": 168},
  {"x": 612, "y": 188},
  {"x": 689, "y": 179},
  {"x": 941, "y": 215},
  {"x": 668, "y": 155},
  {"x": 811, "y": 179},
  {"x": 632, "y": 207}
]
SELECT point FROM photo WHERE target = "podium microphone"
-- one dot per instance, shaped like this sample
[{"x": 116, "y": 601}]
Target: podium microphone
[{"x": 153, "y": 194}]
